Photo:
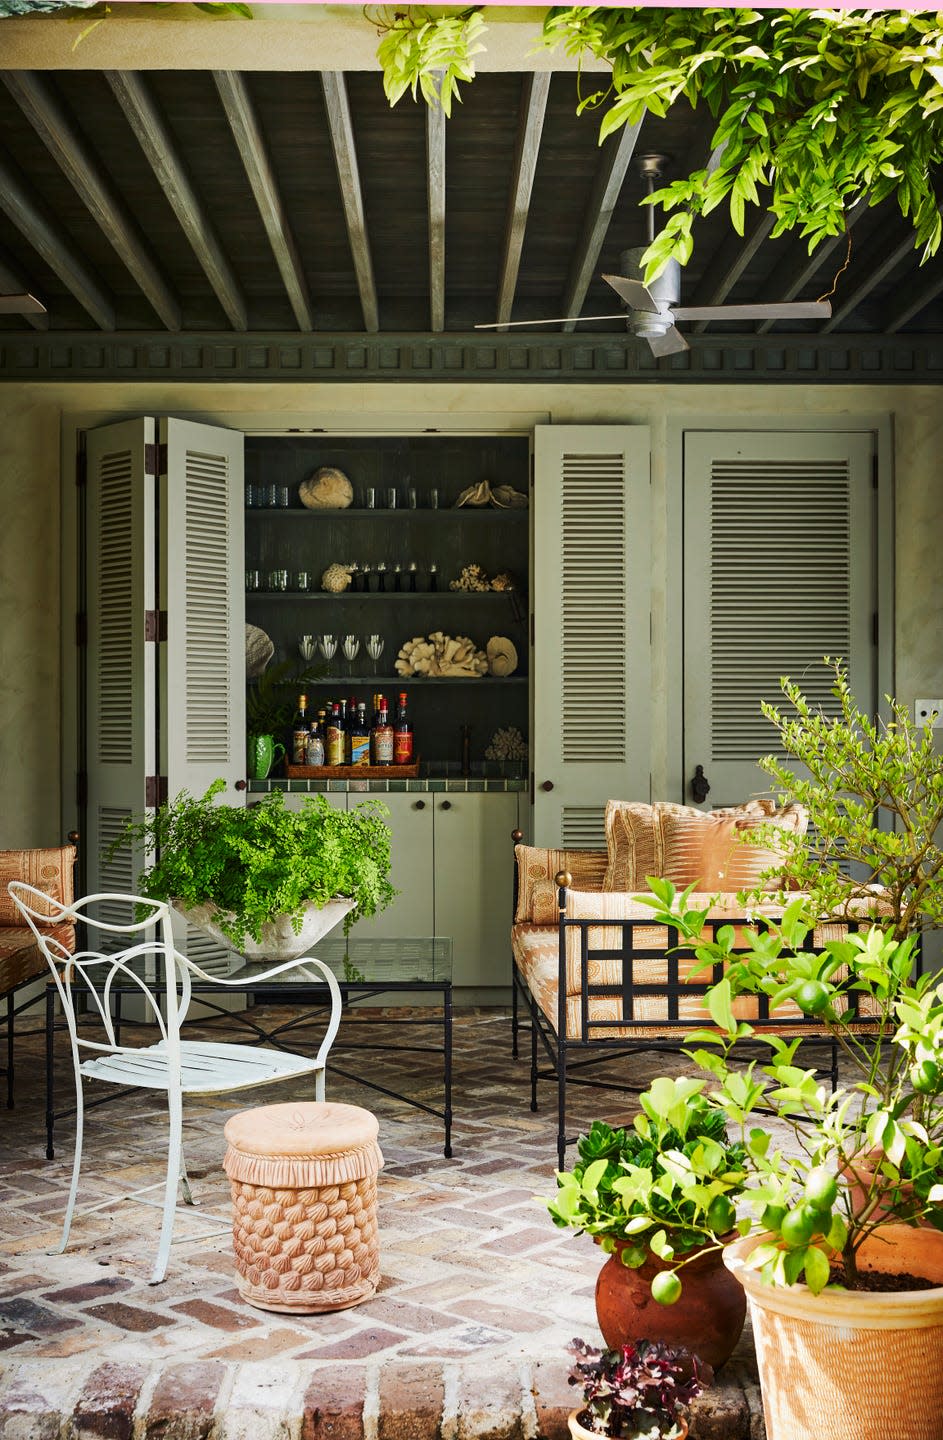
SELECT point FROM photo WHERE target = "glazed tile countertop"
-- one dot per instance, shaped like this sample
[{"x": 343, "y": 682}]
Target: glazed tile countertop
[{"x": 460, "y": 784}]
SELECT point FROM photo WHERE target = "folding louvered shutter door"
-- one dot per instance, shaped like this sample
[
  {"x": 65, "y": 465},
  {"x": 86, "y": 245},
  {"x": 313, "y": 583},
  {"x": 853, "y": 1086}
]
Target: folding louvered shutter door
[
  {"x": 780, "y": 569},
  {"x": 121, "y": 673},
  {"x": 592, "y": 663},
  {"x": 202, "y": 591}
]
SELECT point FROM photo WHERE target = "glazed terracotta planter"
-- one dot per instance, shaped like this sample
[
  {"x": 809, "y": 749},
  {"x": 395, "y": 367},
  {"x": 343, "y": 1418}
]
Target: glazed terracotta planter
[
  {"x": 707, "y": 1320},
  {"x": 579, "y": 1432},
  {"x": 852, "y": 1362}
]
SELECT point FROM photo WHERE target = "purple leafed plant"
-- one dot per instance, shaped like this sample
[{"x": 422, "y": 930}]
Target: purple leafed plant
[{"x": 637, "y": 1391}]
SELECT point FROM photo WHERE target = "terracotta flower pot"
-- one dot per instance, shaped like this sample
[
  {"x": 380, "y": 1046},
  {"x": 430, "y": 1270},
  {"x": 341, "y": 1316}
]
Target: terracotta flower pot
[
  {"x": 852, "y": 1362},
  {"x": 579, "y": 1432},
  {"x": 707, "y": 1319}
]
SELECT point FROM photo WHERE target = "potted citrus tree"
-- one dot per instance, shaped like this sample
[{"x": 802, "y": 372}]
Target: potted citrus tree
[
  {"x": 659, "y": 1198},
  {"x": 841, "y": 1248},
  {"x": 263, "y": 878}
]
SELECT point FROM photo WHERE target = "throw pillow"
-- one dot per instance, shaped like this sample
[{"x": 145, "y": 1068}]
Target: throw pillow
[{"x": 713, "y": 851}]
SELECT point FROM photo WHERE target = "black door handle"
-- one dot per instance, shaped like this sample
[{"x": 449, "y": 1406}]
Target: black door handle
[
  {"x": 546, "y": 785},
  {"x": 700, "y": 785},
  {"x": 420, "y": 805},
  {"x": 446, "y": 805}
]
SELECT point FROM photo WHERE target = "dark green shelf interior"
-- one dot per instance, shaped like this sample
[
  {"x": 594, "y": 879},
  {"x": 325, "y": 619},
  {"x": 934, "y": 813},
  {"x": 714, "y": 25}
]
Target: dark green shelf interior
[{"x": 298, "y": 539}]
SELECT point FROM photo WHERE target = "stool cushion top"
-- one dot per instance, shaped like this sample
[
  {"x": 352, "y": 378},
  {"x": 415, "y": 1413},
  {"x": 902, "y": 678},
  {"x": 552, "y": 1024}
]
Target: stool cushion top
[{"x": 306, "y": 1128}]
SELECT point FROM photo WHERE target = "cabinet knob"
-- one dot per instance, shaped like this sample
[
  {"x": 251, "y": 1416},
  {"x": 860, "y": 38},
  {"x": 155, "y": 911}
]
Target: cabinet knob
[
  {"x": 242, "y": 785},
  {"x": 446, "y": 805},
  {"x": 546, "y": 785},
  {"x": 420, "y": 805}
]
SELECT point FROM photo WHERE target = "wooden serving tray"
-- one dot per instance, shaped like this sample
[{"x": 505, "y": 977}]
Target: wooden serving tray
[{"x": 353, "y": 772}]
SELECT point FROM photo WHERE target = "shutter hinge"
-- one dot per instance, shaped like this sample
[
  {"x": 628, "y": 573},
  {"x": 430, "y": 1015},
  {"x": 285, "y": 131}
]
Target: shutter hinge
[
  {"x": 155, "y": 460},
  {"x": 155, "y": 624},
  {"x": 81, "y": 628},
  {"x": 81, "y": 468},
  {"x": 874, "y": 628},
  {"x": 155, "y": 791},
  {"x": 81, "y": 788}
]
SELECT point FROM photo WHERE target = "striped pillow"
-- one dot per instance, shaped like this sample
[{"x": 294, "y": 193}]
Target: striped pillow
[{"x": 685, "y": 845}]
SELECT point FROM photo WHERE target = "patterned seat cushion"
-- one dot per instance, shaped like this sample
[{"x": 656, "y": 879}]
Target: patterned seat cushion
[{"x": 49, "y": 870}]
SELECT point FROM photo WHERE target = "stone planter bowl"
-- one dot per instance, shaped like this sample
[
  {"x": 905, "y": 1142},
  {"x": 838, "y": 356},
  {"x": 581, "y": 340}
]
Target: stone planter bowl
[{"x": 279, "y": 941}]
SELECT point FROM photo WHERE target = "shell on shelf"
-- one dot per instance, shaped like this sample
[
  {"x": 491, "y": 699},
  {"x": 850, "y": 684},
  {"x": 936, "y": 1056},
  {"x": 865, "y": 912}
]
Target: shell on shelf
[
  {"x": 336, "y": 579},
  {"x": 472, "y": 577},
  {"x": 507, "y": 744},
  {"x": 479, "y": 494},
  {"x": 439, "y": 654},
  {"x": 259, "y": 651},
  {"x": 505, "y": 497},
  {"x": 327, "y": 489},
  {"x": 502, "y": 655}
]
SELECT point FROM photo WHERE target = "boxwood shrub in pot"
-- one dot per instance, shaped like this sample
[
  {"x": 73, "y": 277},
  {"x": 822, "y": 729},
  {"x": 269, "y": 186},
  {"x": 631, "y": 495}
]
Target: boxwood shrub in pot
[{"x": 262, "y": 868}]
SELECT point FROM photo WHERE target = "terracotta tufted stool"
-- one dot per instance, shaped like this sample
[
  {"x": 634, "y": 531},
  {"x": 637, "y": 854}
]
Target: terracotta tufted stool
[{"x": 304, "y": 1198}]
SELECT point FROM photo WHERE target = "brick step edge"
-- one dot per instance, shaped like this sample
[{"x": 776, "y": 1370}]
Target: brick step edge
[{"x": 397, "y": 1399}]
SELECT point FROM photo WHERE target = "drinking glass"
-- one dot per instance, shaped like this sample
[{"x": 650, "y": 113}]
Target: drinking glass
[
  {"x": 307, "y": 647},
  {"x": 370, "y": 498},
  {"x": 391, "y": 498},
  {"x": 277, "y": 580},
  {"x": 252, "y": 494},
  {"x": 433, "y": 499},
  {"x": 269, "y": 494},
  {"x": 282, "y": 496},
  {"x": 301, "y": 580},
  {"x": 327, "y": 644},
  {"x": 374, "y": 645},
  {"x": 253, "y": 579},
  {"x": 351, "y": 651},
  {"x": 411, "y": 497}
]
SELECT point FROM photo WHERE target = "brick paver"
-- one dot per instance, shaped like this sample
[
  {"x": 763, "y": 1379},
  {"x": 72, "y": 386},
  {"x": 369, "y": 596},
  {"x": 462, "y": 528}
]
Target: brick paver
[{"x": 465, "y": 1340}]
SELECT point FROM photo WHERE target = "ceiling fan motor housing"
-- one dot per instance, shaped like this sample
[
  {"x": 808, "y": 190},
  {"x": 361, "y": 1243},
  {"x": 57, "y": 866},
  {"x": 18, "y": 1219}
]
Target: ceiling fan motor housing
[{"x": 665, "y": 291}]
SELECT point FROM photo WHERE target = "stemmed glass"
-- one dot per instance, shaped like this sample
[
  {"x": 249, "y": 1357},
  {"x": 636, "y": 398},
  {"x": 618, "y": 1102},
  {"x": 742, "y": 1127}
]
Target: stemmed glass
[
  {"x": 374, "y": 644},
  {"x": 307, "y": 647},
  {"x": 327, "y": 644},
  {"x": 351, "y": 651}
]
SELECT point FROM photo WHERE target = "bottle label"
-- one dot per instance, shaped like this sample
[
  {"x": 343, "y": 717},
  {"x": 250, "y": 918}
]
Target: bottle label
[
  {"x": 315, "y": 752},
  {"x": 383, "y": 744},
  {"x": 335, "y": 747},
  {"x": 360, "y": 749},
  {"x": 403, "y": 747},
  {"x": 299, "y": 746}
]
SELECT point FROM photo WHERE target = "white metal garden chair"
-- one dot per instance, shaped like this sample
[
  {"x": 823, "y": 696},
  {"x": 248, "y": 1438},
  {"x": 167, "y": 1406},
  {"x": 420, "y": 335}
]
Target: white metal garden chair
[{"x": 178, "y": 1067}]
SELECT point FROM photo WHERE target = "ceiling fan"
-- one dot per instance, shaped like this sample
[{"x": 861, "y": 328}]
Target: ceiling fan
[
  {"x": 654, "y": 308},
  {"x": 21, "y": 305}
]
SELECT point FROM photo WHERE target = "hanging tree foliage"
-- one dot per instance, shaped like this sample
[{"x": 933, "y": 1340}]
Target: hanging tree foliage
[{"x": 814, "y": 110}]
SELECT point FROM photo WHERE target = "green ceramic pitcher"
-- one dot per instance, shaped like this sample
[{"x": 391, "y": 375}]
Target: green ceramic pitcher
[{"x": 261, "y": 753}]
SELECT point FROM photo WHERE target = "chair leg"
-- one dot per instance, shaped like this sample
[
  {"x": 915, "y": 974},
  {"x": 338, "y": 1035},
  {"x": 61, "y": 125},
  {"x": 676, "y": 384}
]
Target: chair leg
[
  {"x": 10, "y": 1051},
  {"x": 319, "y": 1080},
  {"x": 561, "y": 1104},
  {"x": 533, "y": 1063},
  {"x": 175, "y": 1169},
  {"x": 514, "y": 1019},
  {"x": 76, "y": 1165},
  {"x": 185, "y": 1180}
]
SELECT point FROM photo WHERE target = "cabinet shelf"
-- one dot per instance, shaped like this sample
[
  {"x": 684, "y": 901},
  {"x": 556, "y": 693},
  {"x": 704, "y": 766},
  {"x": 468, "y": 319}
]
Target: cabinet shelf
[
  {"x": 260, "y": 512},
  {"x": 387, "y": 595},
  {"x": 402, "y": 680}
]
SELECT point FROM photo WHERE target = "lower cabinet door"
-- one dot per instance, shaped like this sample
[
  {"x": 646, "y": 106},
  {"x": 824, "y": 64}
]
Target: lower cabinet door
[
  {"x": 474, "y": 857},
  {"x": 410, "y": 916}
]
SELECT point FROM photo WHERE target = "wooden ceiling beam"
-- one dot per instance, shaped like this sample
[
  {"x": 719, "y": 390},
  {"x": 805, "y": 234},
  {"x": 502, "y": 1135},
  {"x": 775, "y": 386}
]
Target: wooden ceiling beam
[
  {"x": 56, "y": 127},
  {"x": 435, "y": 194},
  {"x": 36, "y": 222},
  {"x": 909, "y": 299},
  {"x": 14, "y": 282},
  {"x": 250, "y": 142},
  {"x": 154, "y": 136},
  {"x": 728, "y": 265},
  {"x": 799, "y": 266},
  {"x": 607, "y": 187},
  {"x": 534, "y": 94},
  {"x": 348, "y": 175}
]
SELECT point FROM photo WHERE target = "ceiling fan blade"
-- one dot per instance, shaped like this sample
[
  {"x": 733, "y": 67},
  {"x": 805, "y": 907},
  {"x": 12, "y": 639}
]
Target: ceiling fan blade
[
  {"x": 782, "y": 310},
  {"x": 633, "y": 292},
  {"x": 671, "y": 343},
  {"x": 21, "y": 305},
  {"x": 561, "y": 320}
]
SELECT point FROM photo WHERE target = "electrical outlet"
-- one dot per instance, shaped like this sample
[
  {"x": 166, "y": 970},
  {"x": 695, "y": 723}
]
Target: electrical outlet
[{"x": 929, "y": 712}]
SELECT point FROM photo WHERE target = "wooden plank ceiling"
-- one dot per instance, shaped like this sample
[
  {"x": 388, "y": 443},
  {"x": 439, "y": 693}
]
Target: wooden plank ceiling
[{"x": 194, "y": 201}]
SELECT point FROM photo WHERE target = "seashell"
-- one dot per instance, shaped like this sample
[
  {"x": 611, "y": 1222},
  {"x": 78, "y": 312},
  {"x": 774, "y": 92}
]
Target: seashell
[
  {"x": 335, "y": 579},
  {"x": 504, "y": 581},
  {"x": 502, "y": 655},
  {"x": 505, "y": 497},
  {"x": 327, "y": 489},
  {"x": 479, "y": 494},
  {"x": 259, "y": 651},
  {"x": 507, "y": 744}
]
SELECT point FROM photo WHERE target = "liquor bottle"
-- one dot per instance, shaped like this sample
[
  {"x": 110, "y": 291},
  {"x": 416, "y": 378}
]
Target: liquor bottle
[
  {"x": 315, "y": 752},
  {"x": 402, "y": 734},
  {"x": 381, "y": 737},
  {"x": 433, "y": 576},
  {"x": 360, "y": 737},
  {"x": 299, "y": 732},
  {"x": 350, "y": 715},
  {"x": 334, "y": 739}
]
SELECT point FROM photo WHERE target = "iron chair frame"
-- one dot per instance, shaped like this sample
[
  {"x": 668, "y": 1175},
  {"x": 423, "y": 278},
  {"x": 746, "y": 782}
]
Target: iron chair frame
[{"x": 175, "y": 1066}]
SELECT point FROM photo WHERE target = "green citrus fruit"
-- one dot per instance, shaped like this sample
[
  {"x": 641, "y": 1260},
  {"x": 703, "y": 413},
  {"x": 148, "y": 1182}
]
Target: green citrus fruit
[
  {"x": 797, "y": 1227},
  {"x": 721, "y": 1216},
  {"x": 821, "y": 1189},
  {"x": 925, "y": 1077},
  {"x": 666, "y": 1287},
  {"x": 773, "y": 1217},
  {"x": 812, "y": 997}
]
